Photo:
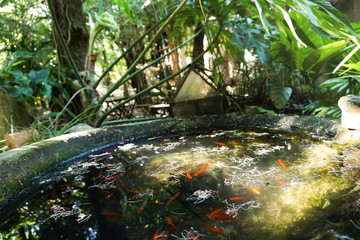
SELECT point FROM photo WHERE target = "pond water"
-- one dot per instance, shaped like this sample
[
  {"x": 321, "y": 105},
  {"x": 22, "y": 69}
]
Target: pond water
[{"x": 219, "y": 185}]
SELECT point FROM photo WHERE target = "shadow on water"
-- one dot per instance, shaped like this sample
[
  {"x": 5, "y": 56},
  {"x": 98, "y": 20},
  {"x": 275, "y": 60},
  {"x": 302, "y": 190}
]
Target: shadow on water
[{"x": 218, "y": 185}]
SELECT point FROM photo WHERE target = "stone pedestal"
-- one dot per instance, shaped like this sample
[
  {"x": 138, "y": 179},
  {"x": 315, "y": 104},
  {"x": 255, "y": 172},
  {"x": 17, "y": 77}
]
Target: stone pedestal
[{"x": 350, "y": 111}]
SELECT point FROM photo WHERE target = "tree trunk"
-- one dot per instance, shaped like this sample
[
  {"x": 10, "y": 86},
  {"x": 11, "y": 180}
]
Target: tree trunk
[
  {"x": 199, "y": 45},
  {"x": 72, "y": 23}
]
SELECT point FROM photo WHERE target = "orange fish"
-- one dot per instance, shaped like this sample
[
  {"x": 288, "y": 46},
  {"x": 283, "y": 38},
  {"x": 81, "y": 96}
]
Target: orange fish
[
  {"x": 213, "y": 229},
  {"x": 112, "y": 177},
  {"x": 173, "y": 198},
  {"x": 170, "y": 222},
  {"x": 203, "y": 169},
  {"x": 141, "y": 208},
  {"x": 132, "y": 191},
  {"x": 235, "y": 143},
  {"x": 195, "y": 166},
  {"x": 236, "y": 198},
  {"x": 156, "y": 235},
  {"x": 135, "y": 172},
  {"x": 220, "y": 214},
  {"x": 219, "y": 143},
  {"x": 112, "y": 214},
  {"x": 282, "y": 164},
  {"x": 280, "y": 181},
  {"x": 188, "y": 175},
  {"x": 214, "y": 212},
  {"x": 108, "y": 196},
  {"x": 255, "y": 190}
]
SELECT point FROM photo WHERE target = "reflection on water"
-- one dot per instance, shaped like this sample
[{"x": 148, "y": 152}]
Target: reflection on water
[{"x": 222, "y": 185}]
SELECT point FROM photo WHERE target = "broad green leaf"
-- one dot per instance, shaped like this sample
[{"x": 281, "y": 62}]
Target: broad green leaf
[
  {"x": 262, "y": 16},
  {"x": 39, "y": 76},
  {"x": 321, "y": 55},
  {"x": 335, "y": 14},
  {"x": 290, "y": 24},
  {"x": 351, "y": 66},
  {"x": 17, "y": 74},
  {"x": 280, "y": 96},
  {"x": 262, "y": 110}
]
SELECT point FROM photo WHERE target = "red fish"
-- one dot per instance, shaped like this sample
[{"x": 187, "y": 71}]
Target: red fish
[
  {"x": 132, "y": 191},
  {"x": 282, "y": 164},
  {"x": 141, "y": 208},
  {"x": 220, "y": 214},
  {"x": 112, "y": 214},
  {"x": 236, "y": 198},
  {"x": 235, "y": 143},
  {"x": 219, "y": 143},
  {"x": 112, "y": 177},
  {"x": 156, "y": 235},
  {"x": 255, "y": 190},
  {"x": 67, "y": 185},
  {"x": 173, "y": 198},
  {"x": 213, "y": 229},
  {"x": 280, "y": 181},
  {"x": 188, "y": 175},
  {"x": 203, "y": 169},
  {"x": 170, "y": 222},
  {"x": 135, "y": 172}
]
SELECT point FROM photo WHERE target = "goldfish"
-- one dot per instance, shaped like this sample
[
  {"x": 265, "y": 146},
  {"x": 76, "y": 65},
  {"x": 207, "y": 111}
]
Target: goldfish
[
  {"x": 108, "y": 196},
  {"x": 220, "y": 214},
  {"x": 112, "y": 214},
  {"x": 235, "y": 143},
  {"x": 255, "y": 190},
  {"x": 141, "y": 208},
  {"x": 173, "y": 198},
  {"x": 203, "y": 169},
  {"x": 282, "y": 164},
  {"x": 156, "y": 235},
  {"x": 132, "y": 191},
  {"x": 236, "y": 198},
  {"x": 195, "y": 166},
  {"x": 170, "y": 222},
  {"x": 188, "y": 175},
  {"x": 213, "y": 229},
  {"x": 135, "y": 172},
  {"x": 280, "y": 181},
  {"x": 112, "y": 177},
  {"x": 219, "y": 143}
]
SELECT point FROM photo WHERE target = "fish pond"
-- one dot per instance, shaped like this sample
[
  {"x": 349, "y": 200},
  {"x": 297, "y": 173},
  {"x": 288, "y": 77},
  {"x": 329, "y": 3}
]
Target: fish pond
[{"x": 215, "y": 185}]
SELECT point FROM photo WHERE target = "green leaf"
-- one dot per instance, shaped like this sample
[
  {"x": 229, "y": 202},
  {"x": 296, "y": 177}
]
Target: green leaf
[
  {"x": 290, "y": 24},
  {"x": 17, "y": 74},
  {"x": 352, "y": 66},
  {"x": 280, "y": 96},
  {"x": 39, "y": 76},
  {"x": 326, "y": 204},
  {"x": 262, "y": 16},
  {"x": 324, "y": 54},
  {"x": 262, "y": 110}
]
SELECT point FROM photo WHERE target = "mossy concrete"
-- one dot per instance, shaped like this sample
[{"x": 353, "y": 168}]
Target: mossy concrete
[{"x": 19, "y": 166}]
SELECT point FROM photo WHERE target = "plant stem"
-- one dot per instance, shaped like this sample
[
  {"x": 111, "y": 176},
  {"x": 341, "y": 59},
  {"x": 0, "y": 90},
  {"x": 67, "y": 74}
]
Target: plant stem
[{"x": 103, "y": 117}]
